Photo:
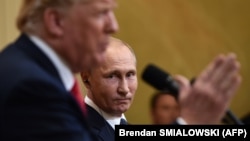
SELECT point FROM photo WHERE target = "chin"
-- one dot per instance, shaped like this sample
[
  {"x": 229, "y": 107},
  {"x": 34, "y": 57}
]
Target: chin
[{"x": 123, "y": 110}]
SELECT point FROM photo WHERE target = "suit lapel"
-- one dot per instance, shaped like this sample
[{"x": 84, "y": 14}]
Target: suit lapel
[
  {"x": 99, "y": 125},
  {"x": 32, "y": 51}
]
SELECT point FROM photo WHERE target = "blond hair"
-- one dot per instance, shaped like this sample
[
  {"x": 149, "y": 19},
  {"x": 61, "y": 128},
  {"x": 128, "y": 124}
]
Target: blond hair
[{"x": 31, "y": 12}]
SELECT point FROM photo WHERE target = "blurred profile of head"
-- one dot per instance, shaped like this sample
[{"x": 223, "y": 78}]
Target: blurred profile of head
[
  {"x": 164, "y": 108},
  {"x": 78, "y": 30}
]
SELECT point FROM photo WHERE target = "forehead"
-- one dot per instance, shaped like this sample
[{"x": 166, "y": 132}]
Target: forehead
[
  {"x": 118, "y": 58},
  {"x": 119, "y": 55},
  {"x": 101, "y": 3},
  {"x": 166, "y": 99}
]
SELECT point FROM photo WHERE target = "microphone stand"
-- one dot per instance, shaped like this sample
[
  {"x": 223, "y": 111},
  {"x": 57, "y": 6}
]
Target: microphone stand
[{"x": 234, "y": 119}]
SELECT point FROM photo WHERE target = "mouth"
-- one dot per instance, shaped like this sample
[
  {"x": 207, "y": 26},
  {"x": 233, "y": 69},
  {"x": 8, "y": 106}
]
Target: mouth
[{"x": 123, "y": 100}]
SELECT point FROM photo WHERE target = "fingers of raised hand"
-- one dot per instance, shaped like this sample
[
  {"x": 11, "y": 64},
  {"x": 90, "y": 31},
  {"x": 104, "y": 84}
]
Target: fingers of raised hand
[{"x": 222, "y": 74}]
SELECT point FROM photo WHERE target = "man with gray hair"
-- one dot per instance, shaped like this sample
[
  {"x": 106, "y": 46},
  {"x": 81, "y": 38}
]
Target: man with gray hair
[
  {"x": 111, "y": 87},
  {"x": 59, "y": 38}
]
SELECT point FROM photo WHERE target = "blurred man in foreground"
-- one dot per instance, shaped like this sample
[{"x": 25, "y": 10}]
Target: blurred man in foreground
[{"x": 58, "y": 39}]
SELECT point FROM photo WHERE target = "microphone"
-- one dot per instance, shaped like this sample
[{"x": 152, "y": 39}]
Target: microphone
[
  {"x": 163, "y": 81},
  {"x": 160, "y": 80}
]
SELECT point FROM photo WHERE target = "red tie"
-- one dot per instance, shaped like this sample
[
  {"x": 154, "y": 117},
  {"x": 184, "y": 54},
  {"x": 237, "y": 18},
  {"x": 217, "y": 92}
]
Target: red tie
[{"x": 76, "y": 92}]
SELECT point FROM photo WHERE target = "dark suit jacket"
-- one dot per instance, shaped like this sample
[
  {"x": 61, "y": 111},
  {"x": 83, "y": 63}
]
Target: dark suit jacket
[
  {"x": 34, "y": 104},
  {"x": 99, "y": 126}
]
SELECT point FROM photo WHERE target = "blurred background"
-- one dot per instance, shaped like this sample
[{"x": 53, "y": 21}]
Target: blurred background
[{"x": 179, "y": 36}]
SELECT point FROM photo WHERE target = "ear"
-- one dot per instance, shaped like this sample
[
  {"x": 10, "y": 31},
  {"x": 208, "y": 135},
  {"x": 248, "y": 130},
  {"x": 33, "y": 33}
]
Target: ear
[
  {"x": 53, "y": 22},
  {"x": 85, "y": 78}
]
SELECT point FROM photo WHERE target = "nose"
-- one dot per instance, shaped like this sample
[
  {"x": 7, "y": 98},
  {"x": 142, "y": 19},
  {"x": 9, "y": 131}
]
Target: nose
[
  {"x": 112, "y": 24},
  {"x": 123, "y": 88}
]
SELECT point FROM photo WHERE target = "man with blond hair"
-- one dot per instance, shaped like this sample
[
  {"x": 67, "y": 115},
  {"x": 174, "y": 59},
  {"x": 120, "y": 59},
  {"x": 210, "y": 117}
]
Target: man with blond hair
[{"x": 58, "y": 38}]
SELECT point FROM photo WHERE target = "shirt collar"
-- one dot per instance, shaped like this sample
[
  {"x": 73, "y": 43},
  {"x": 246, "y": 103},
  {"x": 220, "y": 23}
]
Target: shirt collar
[
  {"x": 112, "y": 120},
  {"x": 65, "y": 73}
]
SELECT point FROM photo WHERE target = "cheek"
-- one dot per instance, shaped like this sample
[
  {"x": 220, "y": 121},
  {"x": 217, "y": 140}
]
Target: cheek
[
  {"x": 133, "y": 86},
  {"x": 93, "y": 32},
  {"x": 91, "y": 44},
  {"x": 111, "y": 90},
  {"x": 85, "y": 34},
  {"x": 159, "y": 113},
  {"x": 106, "y": 89}
]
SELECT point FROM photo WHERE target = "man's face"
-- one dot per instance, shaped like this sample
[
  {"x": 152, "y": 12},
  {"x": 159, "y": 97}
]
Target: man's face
[
  {"x": 166, "y": 110},
  {"x": 86, "y": 28},
  {"x": 114, "y": 83}
]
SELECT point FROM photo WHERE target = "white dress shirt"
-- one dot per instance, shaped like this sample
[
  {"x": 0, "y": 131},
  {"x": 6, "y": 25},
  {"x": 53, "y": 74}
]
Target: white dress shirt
[{"x": 181, "y": 121}]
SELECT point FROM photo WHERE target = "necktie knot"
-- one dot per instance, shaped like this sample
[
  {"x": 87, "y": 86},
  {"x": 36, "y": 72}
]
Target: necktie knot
[
  {"x": 123, "y": 122},
  {"x": 76, "y": 92}
]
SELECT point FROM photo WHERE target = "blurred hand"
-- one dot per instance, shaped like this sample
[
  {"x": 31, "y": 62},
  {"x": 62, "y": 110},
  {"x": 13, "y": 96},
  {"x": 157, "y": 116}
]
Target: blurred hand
[{"x": 206, "y": 101}]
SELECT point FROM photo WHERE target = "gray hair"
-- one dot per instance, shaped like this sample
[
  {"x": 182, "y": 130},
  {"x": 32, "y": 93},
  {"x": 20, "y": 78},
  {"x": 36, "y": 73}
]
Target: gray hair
[{"x": 122, "y": 43}]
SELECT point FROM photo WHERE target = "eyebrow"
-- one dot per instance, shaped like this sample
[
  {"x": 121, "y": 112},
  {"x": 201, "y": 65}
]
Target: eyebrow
[{"x": 114, "y": 71}]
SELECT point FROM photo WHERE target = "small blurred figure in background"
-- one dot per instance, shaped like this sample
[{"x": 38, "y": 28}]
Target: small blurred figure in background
[{"x": 164, "y": 108}]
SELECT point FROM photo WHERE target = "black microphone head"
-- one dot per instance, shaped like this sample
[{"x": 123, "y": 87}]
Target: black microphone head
[{"x": 159, "y": 79}]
